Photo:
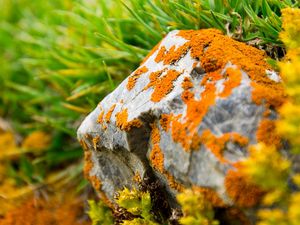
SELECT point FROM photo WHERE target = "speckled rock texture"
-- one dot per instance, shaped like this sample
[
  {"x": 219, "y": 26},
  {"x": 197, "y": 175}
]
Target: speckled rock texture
[{"x": 186, "y": 116}]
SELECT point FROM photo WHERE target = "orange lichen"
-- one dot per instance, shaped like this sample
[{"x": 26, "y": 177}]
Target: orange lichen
[
  {"x": 88, "y": 163},
  {"x": 217, "y": 144},
  {"x": 100, "y": 117},
  {"x": 83, "y": 145},
  {"x": 187, "y": 83},
  {"x": 96, "y": 183},
  {"x": 160, "y": 55},
  {"x": 241, "y": 190},
  {"x": 173, "y": 55},
  {"x": 156, "y": 155},
  {"x": 123, "y": 123},
  {"x": 233, "y": 79},
  {"x": 195, "y": 64},
  {"x": 210, "y": 195},
  {"x": 184, "y": 132},
  {"x": 133, "y": 78},
  {"x": 137, "y": 178},
  {"x": 214, "y": 51},
  {"x": 109, "y": 112},
  {"x": 266, "y": 133},
  {"x": 153, "y": 77},
  {"x": 55, "y": 210},
  {"x": 173, "y": 183},
  {"x": 165, "y": 122},
  {"x": 272, "y": 95},
  {"x": 95, "y": 142},
  {"x": 164, "y": 85},
  {"x": 157, "y": 159}
]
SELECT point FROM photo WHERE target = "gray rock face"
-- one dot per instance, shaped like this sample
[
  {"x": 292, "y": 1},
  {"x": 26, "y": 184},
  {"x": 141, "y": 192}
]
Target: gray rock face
[{"x": 186, "y": 116}]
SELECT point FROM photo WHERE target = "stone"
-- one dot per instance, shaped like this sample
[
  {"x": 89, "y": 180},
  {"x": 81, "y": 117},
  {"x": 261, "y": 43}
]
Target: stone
[{"x": 185, "y": 118}]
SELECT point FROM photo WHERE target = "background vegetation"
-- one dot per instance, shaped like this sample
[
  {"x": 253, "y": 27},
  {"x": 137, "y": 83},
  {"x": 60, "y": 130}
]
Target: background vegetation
[{"x": 60, "y": 58}]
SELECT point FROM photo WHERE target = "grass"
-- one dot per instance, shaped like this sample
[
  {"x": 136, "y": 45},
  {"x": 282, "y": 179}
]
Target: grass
[{"x": 60, "y": 58}]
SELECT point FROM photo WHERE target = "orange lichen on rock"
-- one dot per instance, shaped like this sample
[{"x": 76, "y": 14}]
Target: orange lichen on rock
[
  {"x": 56, "y": 210},
  {"x": 164, "y": 85},
  {"x": 95, "y": 142},
  {"x": 156, "y": 155},
  {"x": 184, "y": 132},
  {"x": 123, "y": 123},
  {"x": 160, "y": 55},
  {"x": 272, "y": 95},
  {"x": 187, "y": 83},
  {"x": 133, "y": 78},
  {"x": 137, "y": 178},
  {"x": 266, "y": 133},
  {"x": 100, "y": 117},
  {"x": 233, "y": 79},
  {"x": 88, "y": 164},
  {"x": 165, "y": 122},
  {"x": 153, "y": 77},
  {"x": 210, "y": 195},
  {"x": 157, "y": 159},
  {"x": 241, "y": 190},
  {"x": 217, "y": 144},
  {"x": 109, "y": 112},
  {"x": 215, "y": 50},
  {"x": 173, "y": 55},
  {"x": 173, "y": 183},
  {"x": 95, "y": 182}
]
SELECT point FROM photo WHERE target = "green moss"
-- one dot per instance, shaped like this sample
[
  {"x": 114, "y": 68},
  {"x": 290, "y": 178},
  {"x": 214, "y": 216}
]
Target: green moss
[
  {"x": 196, "y": 209},
  {"x": 139, "y": 204},
  {"x": 99, "y": 213}
]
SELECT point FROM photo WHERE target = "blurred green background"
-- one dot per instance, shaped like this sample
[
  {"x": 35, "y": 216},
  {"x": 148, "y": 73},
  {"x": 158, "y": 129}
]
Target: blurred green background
[{"x": 58, "y": 59}]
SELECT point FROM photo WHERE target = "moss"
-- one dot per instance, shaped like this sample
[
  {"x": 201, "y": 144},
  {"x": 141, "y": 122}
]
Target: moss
[
  {"x": 137, "y": 203},
  {"x": 196, "y": 209},
  {"x": 99, "y": 213}
]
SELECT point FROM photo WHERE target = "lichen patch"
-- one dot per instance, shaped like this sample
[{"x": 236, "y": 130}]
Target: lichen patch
[
  {"x": 123, "y": 123},
  {"x": 135, "y": 76}
]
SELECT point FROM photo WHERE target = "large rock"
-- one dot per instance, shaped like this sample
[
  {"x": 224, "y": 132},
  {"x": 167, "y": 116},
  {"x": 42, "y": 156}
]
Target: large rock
[{"x": 186, "y": 116}]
